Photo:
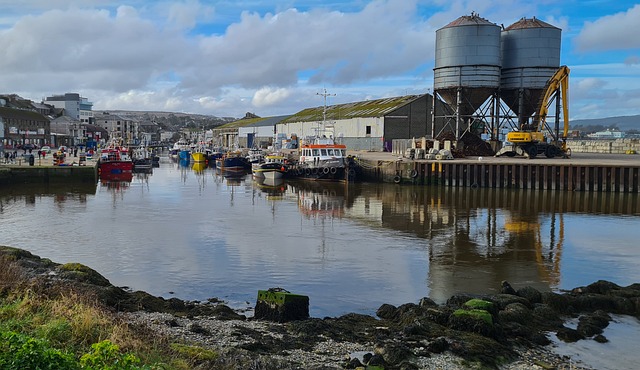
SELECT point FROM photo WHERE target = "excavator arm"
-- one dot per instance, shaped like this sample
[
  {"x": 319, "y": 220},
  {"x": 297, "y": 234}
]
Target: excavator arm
[
  {"x": 533, "y": 133},
  {"x": 558, "y": 82}
]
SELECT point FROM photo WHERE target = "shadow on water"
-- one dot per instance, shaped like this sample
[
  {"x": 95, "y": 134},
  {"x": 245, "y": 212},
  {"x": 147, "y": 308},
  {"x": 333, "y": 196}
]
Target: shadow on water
[{"x": 61, "y": 193}]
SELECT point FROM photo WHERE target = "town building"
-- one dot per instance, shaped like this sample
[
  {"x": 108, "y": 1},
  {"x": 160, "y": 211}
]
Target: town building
[
  {"x": 607, "y": 134},
  {"x": 117, "y": 126},
  {"x": 260, "y": 133},
  {"x": 21, "y": 124},
  {"x": 73, "y": 105},
  {"x": 68, "y": 131}
]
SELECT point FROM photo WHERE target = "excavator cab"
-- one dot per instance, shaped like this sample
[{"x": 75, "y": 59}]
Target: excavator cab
[{"x": 530, "y": 140}]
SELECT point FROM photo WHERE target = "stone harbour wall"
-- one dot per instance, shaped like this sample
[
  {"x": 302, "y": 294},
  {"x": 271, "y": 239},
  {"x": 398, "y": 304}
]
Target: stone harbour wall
[{"x": 618, "y": 146}]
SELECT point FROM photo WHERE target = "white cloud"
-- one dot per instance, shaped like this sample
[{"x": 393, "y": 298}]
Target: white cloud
[
  {"x": 267, "y": 96},
  {"x": 612, "y": 32},
  {"x": 271, "y": 59}
]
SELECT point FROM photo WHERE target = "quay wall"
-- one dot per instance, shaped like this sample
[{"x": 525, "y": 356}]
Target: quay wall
[
  {"x": 602, "y": 146},
  {"x": 10, "y": 175},
  {"x": 538, "y": 175},
  {"x": 618, "y": 146}
]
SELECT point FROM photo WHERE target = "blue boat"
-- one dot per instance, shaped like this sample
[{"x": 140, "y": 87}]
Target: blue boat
[{"x": 232, "y": 161}]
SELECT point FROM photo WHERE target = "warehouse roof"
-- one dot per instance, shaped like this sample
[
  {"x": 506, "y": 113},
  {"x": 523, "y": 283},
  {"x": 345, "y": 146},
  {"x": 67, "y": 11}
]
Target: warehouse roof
[
  {"x": 367, "y": 108},
  {"x": 254, "y": 122}
]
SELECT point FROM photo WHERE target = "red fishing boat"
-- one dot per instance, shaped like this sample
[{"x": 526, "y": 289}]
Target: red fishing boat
[{"x": 115, "y": 160}]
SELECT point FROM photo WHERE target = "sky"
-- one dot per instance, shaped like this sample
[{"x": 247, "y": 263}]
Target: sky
[{"x": 226, "y": 58}]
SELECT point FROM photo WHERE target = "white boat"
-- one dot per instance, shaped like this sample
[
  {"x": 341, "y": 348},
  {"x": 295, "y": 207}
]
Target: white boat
[
  {"x": 181, "y": 149},
  {"x": 255, "y": 156},
  {"x": 273, "y": 167},
  {"x": 322, "y": 159}
]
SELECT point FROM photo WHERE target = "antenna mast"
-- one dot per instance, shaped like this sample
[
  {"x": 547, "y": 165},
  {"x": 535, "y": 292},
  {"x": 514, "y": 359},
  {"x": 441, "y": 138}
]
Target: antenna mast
[{"x": 324, "y": 110}]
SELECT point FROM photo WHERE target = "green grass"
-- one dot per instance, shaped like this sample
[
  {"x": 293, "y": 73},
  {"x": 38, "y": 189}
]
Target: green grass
[{"x": 49, "y": 326}]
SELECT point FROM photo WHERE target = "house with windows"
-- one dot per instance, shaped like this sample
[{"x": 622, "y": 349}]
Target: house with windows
[
  {"x": 72, "y": 105},
  {"x": 21, "y": 123},
  {"x": 117, "y": 126}
]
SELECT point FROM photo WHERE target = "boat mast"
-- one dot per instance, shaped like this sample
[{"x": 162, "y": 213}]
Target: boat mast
[{"x": 324, "y": 109}]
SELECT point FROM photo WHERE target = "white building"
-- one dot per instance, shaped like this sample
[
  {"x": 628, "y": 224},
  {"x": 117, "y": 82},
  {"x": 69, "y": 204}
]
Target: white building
[
  {"x": 608, "y": 134},
  {"x": 73, "y": 105},
  {"x": 259, "y": 134},
  {"x": 366, "y": 125}
]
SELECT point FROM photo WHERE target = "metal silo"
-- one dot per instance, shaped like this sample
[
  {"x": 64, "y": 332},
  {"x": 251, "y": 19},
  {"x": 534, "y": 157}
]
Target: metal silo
[
  {"x": 530, "y": 56},
  {"x": 467, "y": 68}
]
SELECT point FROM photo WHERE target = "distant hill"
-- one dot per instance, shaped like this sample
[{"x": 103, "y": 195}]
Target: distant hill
[
  {"x": 623, "y": 123},
  {"x": 174, "y": 120}
]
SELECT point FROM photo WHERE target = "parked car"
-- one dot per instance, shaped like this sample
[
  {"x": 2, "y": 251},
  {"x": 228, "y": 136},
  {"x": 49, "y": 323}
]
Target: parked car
[
  {"x": 46, "y": 149},
  {"x": 63, "y": 149}
]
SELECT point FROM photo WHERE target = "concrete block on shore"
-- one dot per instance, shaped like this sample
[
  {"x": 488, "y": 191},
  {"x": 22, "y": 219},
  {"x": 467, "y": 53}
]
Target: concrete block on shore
[{"x": 280, "y": 305}]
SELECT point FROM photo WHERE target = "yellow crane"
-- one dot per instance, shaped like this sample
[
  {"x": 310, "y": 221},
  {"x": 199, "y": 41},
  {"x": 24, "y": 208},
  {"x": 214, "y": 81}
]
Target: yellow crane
[{"x": 537, "y": 137}]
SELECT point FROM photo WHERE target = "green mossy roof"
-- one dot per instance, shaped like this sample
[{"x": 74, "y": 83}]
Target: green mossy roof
[
  {"x": 242, "y": 122},
  {"x": 368, "y": 108}
]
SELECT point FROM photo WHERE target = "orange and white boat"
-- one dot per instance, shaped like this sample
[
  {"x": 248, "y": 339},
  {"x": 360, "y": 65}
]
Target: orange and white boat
[{"x": 322, "y": 159}]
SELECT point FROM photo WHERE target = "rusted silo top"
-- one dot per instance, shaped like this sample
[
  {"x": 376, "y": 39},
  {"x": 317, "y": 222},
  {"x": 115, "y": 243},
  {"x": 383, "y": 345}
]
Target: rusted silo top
[
  {"x": 529, "y": 23},
  {"x": 469, "y": 20}
]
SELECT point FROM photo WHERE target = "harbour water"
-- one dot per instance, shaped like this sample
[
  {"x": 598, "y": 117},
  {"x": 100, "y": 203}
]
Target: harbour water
[{"x": 194, "y": 234}]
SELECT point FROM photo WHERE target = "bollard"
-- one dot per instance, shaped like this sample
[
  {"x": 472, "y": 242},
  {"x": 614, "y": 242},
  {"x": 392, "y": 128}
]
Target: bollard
[
  {"x": 31, "y": 160},
  {"x": 279, "y": 305}
]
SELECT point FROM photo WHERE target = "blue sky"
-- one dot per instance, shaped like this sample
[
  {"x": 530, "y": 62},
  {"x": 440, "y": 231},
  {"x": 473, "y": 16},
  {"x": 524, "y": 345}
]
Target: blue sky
[{"x": 226, "y": 58}]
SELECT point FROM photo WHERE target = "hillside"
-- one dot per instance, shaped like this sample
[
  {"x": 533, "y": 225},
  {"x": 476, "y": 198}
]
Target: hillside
[
  {"x": 623, "y": 123},
  {"x": 175, "y": 120}
]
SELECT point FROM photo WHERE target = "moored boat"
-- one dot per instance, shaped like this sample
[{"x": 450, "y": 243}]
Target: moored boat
[
  {"x": 322, "y": 159},
  {"x": 274, "y": 167},
  {"x": 231, "y": 161},
  {"x": 142, "y": 161},
  {"x": 181, "y": 150},
  {"x": 115, "y": 159},
  {"x": 199, "y": 155}
]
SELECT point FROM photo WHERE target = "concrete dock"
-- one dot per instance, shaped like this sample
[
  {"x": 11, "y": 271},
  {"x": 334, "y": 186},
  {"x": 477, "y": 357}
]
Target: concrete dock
[
  {"x": 43, "y": 170},
  {"x": 589, "y": 172}
]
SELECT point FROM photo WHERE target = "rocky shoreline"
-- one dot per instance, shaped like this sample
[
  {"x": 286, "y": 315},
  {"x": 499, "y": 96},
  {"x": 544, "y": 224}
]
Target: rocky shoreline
[{"x": 510, "y": 330}]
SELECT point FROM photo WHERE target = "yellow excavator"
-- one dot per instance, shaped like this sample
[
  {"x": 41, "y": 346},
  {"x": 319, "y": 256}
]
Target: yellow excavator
[{"x": 538, "y": 138}]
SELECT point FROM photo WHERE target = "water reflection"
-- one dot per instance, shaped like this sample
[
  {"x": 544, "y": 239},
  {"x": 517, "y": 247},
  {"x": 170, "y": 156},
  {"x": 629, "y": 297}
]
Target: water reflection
[
  {"x": 351, "y": 247},
  {"x": 28, "y": 194},
  {"x": 474, "y": 238}
]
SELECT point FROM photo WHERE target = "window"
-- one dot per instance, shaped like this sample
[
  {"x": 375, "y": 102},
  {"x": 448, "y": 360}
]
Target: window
[
  {"x": 316, "y": 152},
  {"x": 323, "y": 152},
  {"x": 368, "y": 130}
]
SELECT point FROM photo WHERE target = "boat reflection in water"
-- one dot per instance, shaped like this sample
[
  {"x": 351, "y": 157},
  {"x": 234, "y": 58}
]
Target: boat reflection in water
[
  {"x": 320, "y": 200},
  {"x": 116, "y": 183},
  {"x": 272, "y": 187}
]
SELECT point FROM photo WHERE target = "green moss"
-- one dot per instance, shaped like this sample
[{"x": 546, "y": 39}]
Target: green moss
[
  {"x": 83, "y": 273},
  {"x": 479, "y": 304},
  {"x": 15, "y": 254},
  {"x": 476, "y": 314},
  {"x": 194, "y": 352}
]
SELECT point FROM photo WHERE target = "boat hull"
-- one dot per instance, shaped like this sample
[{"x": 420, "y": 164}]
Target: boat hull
[
  {"x": 320, "y": 173},
  {"x": 273, "y": 175},
  {"x": 231, "y": 163},
  {"x": 184, "y": 155},
  {"x": 199, "y": 157},
  {"x": 116, "y": 167}
]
